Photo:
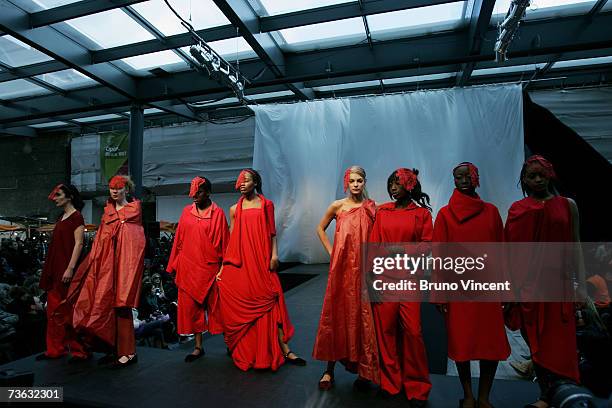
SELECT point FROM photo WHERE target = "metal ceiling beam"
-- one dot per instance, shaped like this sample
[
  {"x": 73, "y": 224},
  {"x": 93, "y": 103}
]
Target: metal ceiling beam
[
  {"x": 479, "y": 24},
  {"x": 597, "y": 7},
  {"x": 75, "y": 10},
  {"x": 18, "y": 131},
  {"x": 243, "y": 17}
]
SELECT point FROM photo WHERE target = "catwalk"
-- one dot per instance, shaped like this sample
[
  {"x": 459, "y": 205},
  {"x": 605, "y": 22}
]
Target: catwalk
[{"x": 162, "y": 379}]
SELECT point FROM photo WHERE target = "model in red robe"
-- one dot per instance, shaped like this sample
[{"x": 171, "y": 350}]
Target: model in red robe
[
  {"x": 475, "y": 330},
  {"x": 346, "y": 330},
  {"x": 107, "y": 284},
  {"x": 403, "y": 358},
  {"x": 60, "y": 337},
  {"x": 251, "y": 297},
  {"x": 550, "y": 327},
  {"x": 197, "y": 253}
]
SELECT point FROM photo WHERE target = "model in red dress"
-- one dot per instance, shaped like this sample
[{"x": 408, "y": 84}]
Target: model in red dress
[
  {"x": 64, "y": 252},
  {"x": 549, "y": 327},
  {"x": 403, "y": 358},
  {"x": 107, "y": 284},
  {"x": 475, "y": 329},
  {"x": 256, "y": 324},
  {"x": 199, "y": 244},
  {"x": 346, "y": 330}
]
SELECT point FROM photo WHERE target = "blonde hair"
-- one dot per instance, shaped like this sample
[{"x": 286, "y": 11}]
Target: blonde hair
[{"x": 361, "y": 172}]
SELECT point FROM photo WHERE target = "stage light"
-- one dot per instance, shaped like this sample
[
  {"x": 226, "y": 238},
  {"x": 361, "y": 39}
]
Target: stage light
[
  {"x": 508, "y": 28},
  {"x": 565, "y": 394}
]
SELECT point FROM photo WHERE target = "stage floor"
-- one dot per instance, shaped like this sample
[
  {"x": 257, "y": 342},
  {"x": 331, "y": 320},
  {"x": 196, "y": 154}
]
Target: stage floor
[{"x": 162, "y": 379}]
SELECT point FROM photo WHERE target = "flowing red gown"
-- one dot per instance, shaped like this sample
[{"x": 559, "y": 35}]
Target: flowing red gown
[
  {"x": 403, "y": 358},
  {"x": 59, "y": 335},
  {"x": 346, "y": 329},
  {"x": 251, "y": 297},
  {"x": 196, "y": 257},
  {"x": 110, "y": 277},
  {"x": 550, "y": 326},
  {"x": 475, "y": 329}
]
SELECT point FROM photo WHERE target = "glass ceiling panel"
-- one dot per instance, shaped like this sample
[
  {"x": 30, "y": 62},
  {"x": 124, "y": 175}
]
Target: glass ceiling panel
[
  {"x": 32, "y": 6},
  {"x": 582, "y": 62},
  {"x": 270, "y": 95},
  {"x": 111, "y": 28},
  {"x": 350, "y": 85},
  {"x": 419, "y": 78},
  {"x": 416, "y": 21},
  {"x": 16, "y": 53},
  {"x": 168, "y": 60},
  {"x": 19, "y": 88},
  {"x": 99, "y": 117},
  {"x": 48, "y": 125},
  {"x": 323, "y": 35},
  {"x": 231, "y": 49},
  {"x": 508, "y": 69},
  {"x": 151, "y": 111},
  {"x": 200, "y": 13},
  {"x": 274, "y": 7},
  {"x": 544, "y": 8},
  {"x": 68, "y": 79}
]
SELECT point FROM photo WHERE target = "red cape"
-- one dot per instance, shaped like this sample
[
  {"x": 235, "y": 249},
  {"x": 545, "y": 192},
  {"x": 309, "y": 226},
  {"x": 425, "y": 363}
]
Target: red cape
[
  {"x": 346, "y": 330},
  {"x": 475, "y": 329},
  {"x": 111, "y": 274}
]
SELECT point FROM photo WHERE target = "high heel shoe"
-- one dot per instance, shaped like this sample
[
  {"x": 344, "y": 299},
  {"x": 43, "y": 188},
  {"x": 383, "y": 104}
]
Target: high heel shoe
[{"x": 327, "y": 384}]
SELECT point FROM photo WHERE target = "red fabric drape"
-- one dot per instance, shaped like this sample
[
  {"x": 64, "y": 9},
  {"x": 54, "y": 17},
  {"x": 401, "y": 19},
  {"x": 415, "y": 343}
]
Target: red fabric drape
[
  {"x": 550, "y": 326},
  {"x": 197, "y": 253},
  {"x": 252, "y": 302},
  {"x": 403, "y": 358},
  {"x": 475, "y": 329},
  {"x": 111, "y": 275},
  {"x": 346, "y": 330}
]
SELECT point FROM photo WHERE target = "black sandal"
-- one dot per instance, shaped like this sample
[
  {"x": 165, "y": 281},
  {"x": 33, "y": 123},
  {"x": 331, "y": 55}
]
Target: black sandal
[
  {"x": 326, "y": 385},
  {"x": 298, "y": 361},
  {"x": 131, "y": 360},
  {"x": 193, "y": 357}
]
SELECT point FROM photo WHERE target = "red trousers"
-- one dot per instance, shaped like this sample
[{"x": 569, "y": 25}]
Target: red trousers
[
  {"x": 60, "y": 338},
  {"x": 126, "y": 342},
  {"x": 190, "y": 317},
  {"x": 403, "y": 360}
]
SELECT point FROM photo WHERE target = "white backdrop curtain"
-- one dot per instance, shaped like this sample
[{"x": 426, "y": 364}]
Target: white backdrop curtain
[{"x": 302, "y": 150}]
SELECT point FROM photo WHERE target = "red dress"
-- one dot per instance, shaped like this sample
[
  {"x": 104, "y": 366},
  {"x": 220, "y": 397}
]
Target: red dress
[
  {"x": 110, "y": 277},
  {"x": 399, "y": 323},
  {"x": 58, "y": 258},
  {"x": 475, "y": 329},
  {"x": 251, "y": 297},
  {"x": 196, "y": 257},
  {"x": 550, "y": 326},
  {"x": 346, "y": 329}
]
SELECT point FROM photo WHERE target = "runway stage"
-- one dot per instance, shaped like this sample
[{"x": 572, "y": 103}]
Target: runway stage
[{"x": 162, "y": 379}]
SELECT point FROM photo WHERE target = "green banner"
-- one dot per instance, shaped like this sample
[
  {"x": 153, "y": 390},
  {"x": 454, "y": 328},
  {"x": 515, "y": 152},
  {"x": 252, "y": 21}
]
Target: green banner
[{"x": 113, "y": 153}]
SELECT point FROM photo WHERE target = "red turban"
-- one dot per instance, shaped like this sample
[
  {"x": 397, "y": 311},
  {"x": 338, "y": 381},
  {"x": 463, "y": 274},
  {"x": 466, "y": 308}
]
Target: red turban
[
  {"x": 117, "y": 182},
  {"x": 195, "y": 186},
  {"x": 549, "y": 171},
  {"x": 474, "y": 177},
  {"x": 407, "y": 178}
]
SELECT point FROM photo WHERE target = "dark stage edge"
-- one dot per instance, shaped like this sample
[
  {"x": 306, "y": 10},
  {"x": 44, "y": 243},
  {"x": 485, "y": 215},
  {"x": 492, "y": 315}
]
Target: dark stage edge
[{"x": 162, "y": 379}]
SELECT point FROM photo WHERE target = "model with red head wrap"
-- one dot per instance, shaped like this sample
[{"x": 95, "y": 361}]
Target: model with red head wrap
[
  {"x": 256, "y": 323},
  {"x": 346, "y": 328},
  {"x": 107, "y": 284},
  {"x": 550, "y": 328},
  {"x": 475, "y": 330},
  {"x": 199, "y": 245},
  {"x": 403, "y": 358},
  {"x": 62, "y": 257}
]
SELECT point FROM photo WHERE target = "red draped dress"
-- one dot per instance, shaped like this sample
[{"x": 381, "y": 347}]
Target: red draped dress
[
  {"x": 196, "y": 257},
  {"x": 550, "y": 326},
  {"x": 399, "y": 323},
  {"x": 60, "y": 335},
  {"x": 346, "y": 328},
  {"x": 107, "y": 284},
  {"x": 475, "y": 329},
  {"x": 251, "y": 297}
]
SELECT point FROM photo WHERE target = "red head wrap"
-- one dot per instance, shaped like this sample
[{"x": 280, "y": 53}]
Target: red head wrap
[
  {"x": 54, "y": 191},
  {"x": 474, "y": 177},
  {"x": 549, "y": 171},
  {"x": 117, "y": 182},
  {"x": 347, "y": 177},
  {"x": 241, "y": 177},
  {"x": 407, "y": 178},
  {"x": 195, "y": 186}
]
